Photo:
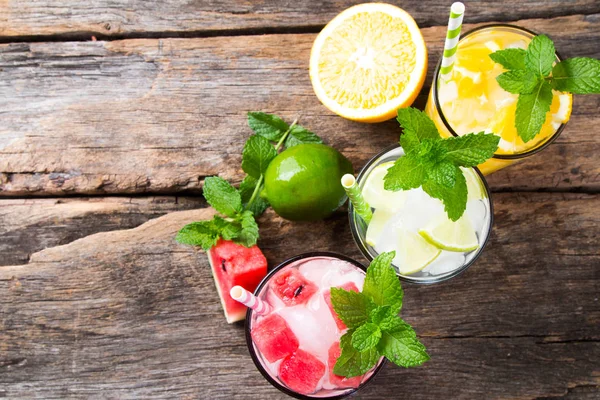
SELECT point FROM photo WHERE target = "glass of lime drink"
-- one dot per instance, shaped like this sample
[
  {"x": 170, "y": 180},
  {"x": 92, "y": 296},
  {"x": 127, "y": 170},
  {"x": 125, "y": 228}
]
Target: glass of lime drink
[{"x": 429, "y": 247}]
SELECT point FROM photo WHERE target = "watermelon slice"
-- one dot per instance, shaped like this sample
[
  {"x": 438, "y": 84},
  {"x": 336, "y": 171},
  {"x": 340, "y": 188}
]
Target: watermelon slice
[
  {"x": 301, "y": 372},
  {"x": 233, "y": 264},
  {"x": 274, "y": 338},
  {"x": 350, "y": 286},
  {"x": 340, "y": 381},
  {"x": 292, "y": 288}
]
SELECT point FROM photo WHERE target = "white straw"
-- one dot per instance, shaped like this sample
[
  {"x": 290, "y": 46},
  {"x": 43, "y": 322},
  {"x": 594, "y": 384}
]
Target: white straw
[
  {"x": 240, "y": 294},
  {"x": 356, "y": 198}
]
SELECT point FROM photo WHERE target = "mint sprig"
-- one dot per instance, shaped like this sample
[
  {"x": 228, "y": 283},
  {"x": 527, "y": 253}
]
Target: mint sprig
[
  {"x": 433, "y": 163},
  {"x": 241, "y": 206},
  {"x": 578, "y": 75},
  {"x": 531, "y": 74},
  {"x": 374, "y": 327}
]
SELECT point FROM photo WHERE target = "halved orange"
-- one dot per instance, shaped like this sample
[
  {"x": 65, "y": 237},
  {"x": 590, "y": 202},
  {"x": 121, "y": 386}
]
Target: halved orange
[{"x": 368, "y": 61}]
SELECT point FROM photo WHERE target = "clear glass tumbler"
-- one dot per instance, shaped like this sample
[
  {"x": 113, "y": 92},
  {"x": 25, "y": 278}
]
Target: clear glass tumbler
[
  {"x": 448, "y": 264},
  {"x": 328, "y": 270},
  {"x": 465, "y": 107}
]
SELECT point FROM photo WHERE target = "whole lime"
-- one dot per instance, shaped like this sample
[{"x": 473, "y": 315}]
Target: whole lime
[{"x": 303, "y": 182}]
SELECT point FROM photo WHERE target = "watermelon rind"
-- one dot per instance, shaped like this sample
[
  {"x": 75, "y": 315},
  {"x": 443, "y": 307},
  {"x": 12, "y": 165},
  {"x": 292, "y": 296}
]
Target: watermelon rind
[{"x": 233, "y": 316}]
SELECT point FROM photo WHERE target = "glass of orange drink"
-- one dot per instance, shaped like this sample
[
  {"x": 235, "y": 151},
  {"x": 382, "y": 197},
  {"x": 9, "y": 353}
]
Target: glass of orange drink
[{"x": 471, "y": 100}]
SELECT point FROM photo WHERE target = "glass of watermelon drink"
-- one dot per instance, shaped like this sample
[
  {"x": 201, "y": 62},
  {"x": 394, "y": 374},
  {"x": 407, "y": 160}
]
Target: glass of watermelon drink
[
  {"x": 296, "y": 345},
  {"x": 429, "y": 247}
]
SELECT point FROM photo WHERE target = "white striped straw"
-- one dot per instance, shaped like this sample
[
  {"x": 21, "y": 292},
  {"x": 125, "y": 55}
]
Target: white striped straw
[
  {"x": 356, "y": 198},
  {"x": 457, "y": 12},
  {"x": 240, "y": 294}
]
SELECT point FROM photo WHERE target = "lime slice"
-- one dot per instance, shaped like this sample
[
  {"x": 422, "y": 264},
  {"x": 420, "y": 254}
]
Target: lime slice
[
  {"x": 414, "y": 253},
  {"x": 379, "y": 198},
  {"x": 380, "y": 218},
  {"x": 474, "y": 185},
  {"x": 452, "y": 236}
]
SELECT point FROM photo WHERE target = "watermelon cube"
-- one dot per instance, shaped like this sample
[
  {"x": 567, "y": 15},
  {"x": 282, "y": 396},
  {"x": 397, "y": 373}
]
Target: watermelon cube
[
  {"x": 274, "y": 338},
  {"x": 340, "y": 382},
  {"x": 233, "y": 264},
  {"x": 301, "y": 372},
  {"x": 292, "y": 288},
  {"x": 350, "y": 286}
]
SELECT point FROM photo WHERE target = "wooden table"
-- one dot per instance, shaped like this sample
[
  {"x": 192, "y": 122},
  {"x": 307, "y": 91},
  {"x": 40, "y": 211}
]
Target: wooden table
[{"x": 104, "y": 146}]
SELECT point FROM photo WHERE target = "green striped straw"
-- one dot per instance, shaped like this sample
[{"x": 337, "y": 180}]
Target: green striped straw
[
  {"x": 452, "y": 36},
  {"x": 358, "y": 201}
]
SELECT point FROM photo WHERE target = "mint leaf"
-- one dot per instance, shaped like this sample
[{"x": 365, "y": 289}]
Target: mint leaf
[
  {"x": 579, "y": 75},
  {"x": 249, "y": 232},
  {"x": 256, "y": 156},
  {"x": 470, "y": 150},
  {"x": 269, "y": 126},
  {"x": 385, "y": 318},
  {"x": 300, "y": 135},
  {"x": 408, "y": 172},
  {"x": 352, "y": 307},
  {"x": 202, "y": 233},
  {"x": 352, "y": 362},
  {"x": 380, "y": 313},
  {"x": 366, "y": 337},
  {"x": 382, "y": 284},
  {"x": 540, "y": 55},
  {"x": 259, "y": 205},
  {"x": 510, "y": 58},
  {"x": 518, "y": 81},
  {"x": 222, "y": 196},
  {"x": 390, "y": 323},
  {"x": 531, "y": 111},
  {"x": 402, "y": 347},
  {"x": 432, "y": 162},
  {"x": 417, "y": 126},
  {"x": 454, "y": 199},
  {"x": 444, "y": 173},
  {"x": 228, "y": 230}
]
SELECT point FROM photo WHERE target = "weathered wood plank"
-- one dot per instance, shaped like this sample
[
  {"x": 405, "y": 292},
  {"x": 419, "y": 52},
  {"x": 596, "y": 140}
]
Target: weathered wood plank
[
  {"x": 28, "y": 226},
  {"x": 156, "y": 116},
  {"x": 75, "y": 18},
  {"x": 130, "y": 314}
]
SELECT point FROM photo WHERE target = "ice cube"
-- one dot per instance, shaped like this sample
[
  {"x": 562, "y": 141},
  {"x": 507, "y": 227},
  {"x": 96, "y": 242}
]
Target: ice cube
[
  {"x": 448, "y": 92},
  {"x": 520, "y": 44},
  {"x": 389, "y": 237},
  {"x": 316, "y": 270},
  {"x": 477, "y": 212},
  {"x": 419, "y": 210},
  {"x": 274, "y": 338},
  {"x": 350, "y": 274},
  {"x": 446, "y": 262},
  {"x": 302, "y": 372},
  {"x": 475, "y": 76},
  {"x": 314, "y": 327},
  {"x": 492, "y": 45}
]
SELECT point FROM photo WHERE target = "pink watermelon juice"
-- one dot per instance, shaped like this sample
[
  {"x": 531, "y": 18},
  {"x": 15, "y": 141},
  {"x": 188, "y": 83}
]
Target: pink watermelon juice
[{"x": 296, "y": 345}]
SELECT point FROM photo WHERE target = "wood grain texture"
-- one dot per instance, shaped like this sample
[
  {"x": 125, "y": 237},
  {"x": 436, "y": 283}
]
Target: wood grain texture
[
  {"x": 111, "y": 18},
  {"x": 30, "y": 225},
  {"x": 156, "y": 116},
  {"x": 130, "y": 313}
]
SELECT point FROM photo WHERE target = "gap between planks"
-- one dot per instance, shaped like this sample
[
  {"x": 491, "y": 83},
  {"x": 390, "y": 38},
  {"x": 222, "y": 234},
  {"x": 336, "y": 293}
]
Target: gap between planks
[{"x": 85, "y": 36}]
